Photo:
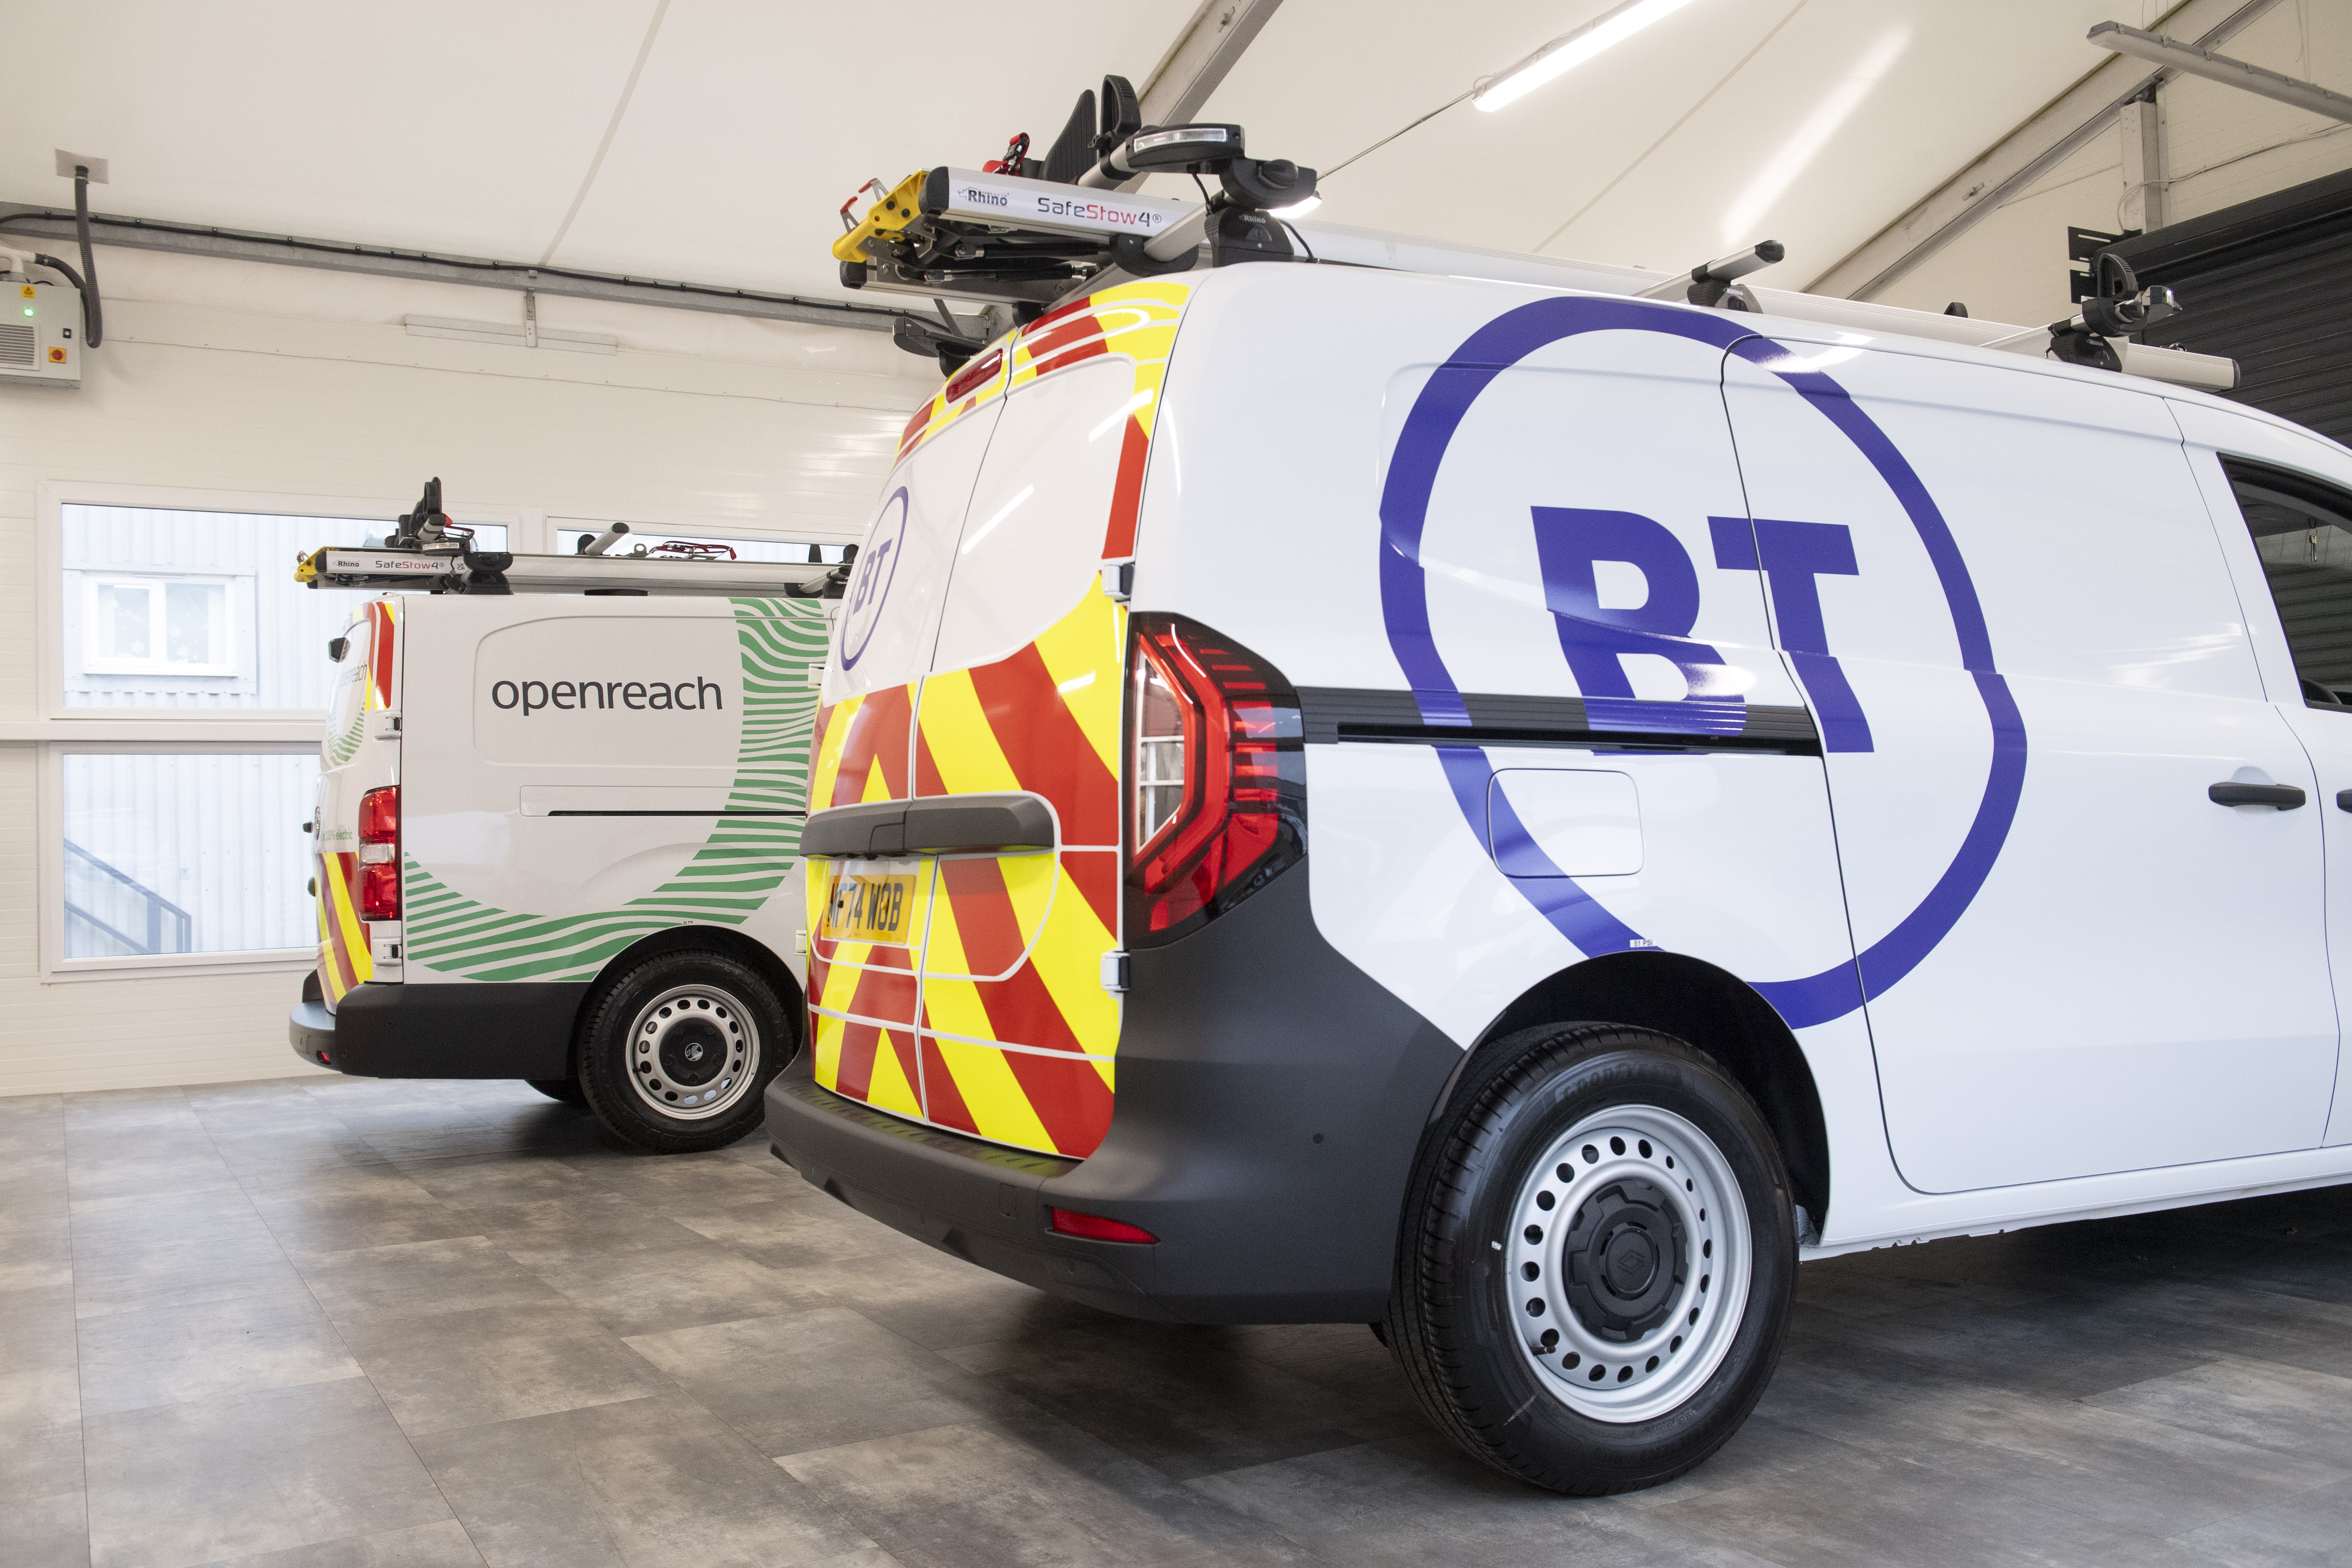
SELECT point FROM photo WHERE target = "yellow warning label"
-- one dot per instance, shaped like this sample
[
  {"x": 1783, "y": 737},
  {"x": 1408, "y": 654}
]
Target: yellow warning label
[{"x": 28, "y": 290}]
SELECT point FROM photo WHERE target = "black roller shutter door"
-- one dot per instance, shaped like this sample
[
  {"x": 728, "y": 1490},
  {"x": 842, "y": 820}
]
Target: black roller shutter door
[{"x": 2266, "y": 282}]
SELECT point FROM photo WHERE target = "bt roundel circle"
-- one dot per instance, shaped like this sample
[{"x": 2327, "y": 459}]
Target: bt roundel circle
[
  {"x": 883, "y": 547},
  {"x": 1438, "y": 412}
]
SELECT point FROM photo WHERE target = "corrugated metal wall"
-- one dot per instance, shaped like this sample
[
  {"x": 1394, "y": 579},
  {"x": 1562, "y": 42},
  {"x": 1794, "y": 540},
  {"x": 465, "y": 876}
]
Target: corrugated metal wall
[{"x": 217, "y": 835}]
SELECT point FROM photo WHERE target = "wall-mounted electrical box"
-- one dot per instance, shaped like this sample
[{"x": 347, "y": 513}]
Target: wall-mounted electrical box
[{"x": 40, "y": 332}]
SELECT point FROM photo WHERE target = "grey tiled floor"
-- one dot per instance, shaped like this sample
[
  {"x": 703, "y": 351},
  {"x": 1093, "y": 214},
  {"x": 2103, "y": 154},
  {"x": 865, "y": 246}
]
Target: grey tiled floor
[{"x": 360, "y": 1324}]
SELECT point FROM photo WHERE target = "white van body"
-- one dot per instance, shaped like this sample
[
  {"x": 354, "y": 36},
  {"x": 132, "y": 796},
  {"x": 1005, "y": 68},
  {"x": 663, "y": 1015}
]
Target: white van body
[
  {"x": 1850, "y": 707},
  {"x": 576, "y": 782}
]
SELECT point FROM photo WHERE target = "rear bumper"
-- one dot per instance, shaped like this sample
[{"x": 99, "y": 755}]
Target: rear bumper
[
  {"x": 1270, "y": 1098},
  {"x": 516, "y": 1029}
]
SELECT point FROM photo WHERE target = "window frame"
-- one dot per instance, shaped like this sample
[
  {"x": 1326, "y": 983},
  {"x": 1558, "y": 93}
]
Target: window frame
[
  {"x": 94, "y": 578},
  {"x": 525, "y": 531},
  {"x": 56, "y": 731},
  {"x": 49, "y": 811},
  {"x": 2290, "y": 484}
]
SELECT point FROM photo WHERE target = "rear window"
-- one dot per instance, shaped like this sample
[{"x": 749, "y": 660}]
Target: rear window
[{"x": 1033, "y": 534}]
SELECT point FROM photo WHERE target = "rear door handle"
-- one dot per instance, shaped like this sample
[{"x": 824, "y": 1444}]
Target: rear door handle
[{"x": 2286, "y": 797}]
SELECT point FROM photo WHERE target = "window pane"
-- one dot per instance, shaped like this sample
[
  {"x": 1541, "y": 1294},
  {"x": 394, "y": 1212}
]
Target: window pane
[
  {"x": 199, "y": 853},
  {"x": 567, "y": 542},
  {"x": 123, "y": 617},
  {"x": 219, "y": 620},
  {"x": 2306, "y": 545}
]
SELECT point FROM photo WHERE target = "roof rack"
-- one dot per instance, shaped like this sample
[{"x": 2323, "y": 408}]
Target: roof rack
[
  {"x": 1029, "y": 233},
  {"x": 429, "y": 552}
]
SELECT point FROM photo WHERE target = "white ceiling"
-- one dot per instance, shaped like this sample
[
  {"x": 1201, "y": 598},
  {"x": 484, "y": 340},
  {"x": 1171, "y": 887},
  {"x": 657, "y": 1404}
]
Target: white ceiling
[{"x": 455, "y": 125}]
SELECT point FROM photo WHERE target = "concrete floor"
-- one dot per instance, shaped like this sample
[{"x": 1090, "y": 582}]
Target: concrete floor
[{"x": 355, "y": 1323}]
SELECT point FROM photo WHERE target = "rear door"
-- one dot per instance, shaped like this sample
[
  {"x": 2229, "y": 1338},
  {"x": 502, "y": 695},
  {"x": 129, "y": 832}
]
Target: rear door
[
  {"x": 994, "y": 1019},
  {"x": 361, "y": 752}
]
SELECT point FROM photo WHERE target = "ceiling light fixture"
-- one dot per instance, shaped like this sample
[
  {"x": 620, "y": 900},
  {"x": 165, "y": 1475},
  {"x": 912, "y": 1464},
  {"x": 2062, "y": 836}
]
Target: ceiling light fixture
[{"x": 1572, "y": 49}]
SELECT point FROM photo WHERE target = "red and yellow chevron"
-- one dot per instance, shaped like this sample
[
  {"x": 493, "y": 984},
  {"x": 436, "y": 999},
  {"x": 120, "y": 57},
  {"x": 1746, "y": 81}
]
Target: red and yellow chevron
[
  {"x": 996, "y": 1023},
  {"x": 345, "y": 958}
]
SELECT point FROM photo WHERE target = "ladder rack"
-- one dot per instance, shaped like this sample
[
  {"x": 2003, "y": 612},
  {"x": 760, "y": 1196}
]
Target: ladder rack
[{"x": 392, "y": 567}]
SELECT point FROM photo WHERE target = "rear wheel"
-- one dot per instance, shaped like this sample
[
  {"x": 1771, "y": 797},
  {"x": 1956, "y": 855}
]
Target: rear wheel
[
  {"x": 1594, "y": 1276},
  {"x": 677, "y": 1050},
  {"x": 566, "y": 1089}
]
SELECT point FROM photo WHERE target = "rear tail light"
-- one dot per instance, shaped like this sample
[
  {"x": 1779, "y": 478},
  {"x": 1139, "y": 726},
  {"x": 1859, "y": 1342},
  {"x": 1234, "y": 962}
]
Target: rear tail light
[
  {"x": 1216, "y": 777},
  {"x": 377, "y": 893},
  {"x": 1094, "y": 1228}
]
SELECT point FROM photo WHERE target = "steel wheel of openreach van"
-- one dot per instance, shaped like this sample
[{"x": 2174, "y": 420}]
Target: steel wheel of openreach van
[{"x": 1516, "y": 816}]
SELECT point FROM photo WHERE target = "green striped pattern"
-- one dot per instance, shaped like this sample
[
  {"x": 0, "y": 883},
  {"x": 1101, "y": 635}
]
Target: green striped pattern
[
  {"x": 728, "y": 878},
  {"x": 342, "y": 748}
]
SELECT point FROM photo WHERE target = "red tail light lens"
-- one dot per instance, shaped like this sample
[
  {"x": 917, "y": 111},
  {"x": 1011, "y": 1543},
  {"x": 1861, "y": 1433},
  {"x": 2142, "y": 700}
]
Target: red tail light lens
[
  {"x": 377, "y": 891},
  {"x": 1216, "y": 777},
  {"x": 1094, "y": 1228},
  {"x": 380, "y": 817}
]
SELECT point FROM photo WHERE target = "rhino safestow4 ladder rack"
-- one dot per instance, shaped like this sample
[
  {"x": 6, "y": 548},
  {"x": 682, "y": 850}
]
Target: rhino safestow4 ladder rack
[
  {"x": 1020, "y": 235},
  {"x": 426, "y": 550}
]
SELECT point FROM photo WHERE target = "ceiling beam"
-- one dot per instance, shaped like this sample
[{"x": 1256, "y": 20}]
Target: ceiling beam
[
  {"x": 2064, "y": 127},
  {"x": 1216, "y": 37},
  {"x": 384, "y": 261},
  {"x": 2190, "y": 60}
]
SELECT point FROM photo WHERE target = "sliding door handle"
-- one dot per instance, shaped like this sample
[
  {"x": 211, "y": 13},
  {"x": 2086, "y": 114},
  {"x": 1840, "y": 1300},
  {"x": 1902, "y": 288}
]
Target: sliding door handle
[{"x": 2286, "y": 797}]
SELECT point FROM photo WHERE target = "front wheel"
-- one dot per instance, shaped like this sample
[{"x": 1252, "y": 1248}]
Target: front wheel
[
  {"x": 676, "y": 1051},
  {"x": 1598, "y": 1257}
]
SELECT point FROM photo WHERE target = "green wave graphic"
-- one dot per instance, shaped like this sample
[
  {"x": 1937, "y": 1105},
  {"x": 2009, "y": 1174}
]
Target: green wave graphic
[{"x": 726, "y": 881}]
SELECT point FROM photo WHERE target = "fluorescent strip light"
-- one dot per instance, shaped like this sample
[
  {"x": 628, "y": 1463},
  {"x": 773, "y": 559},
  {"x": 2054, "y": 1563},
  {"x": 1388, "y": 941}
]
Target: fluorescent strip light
[{"x": 1572, "y": 49}]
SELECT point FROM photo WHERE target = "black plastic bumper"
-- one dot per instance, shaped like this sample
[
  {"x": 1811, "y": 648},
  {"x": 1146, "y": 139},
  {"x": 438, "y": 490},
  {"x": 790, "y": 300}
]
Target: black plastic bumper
[
  {"x": 1270, "y": 1098},
  {"x": 516, "y": 1029}
]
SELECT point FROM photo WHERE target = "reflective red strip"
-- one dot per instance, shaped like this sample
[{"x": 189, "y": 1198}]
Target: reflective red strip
[{"x": 1127, "y": 494}]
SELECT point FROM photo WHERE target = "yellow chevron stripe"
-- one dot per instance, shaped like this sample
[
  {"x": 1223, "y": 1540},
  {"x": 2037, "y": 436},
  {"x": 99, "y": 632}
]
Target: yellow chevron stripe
[
  {"x": 963, "y": 747},
  {"x": 347, "y": 916},
  {"x": 1086, "y": 653},
  {"x": 827, "y": 767},
  {"x": 887, "y": 1088},
  {"x": 992, "y": 1095},
  {"x": 1069, "y": 959},
  {"x": 825, "y": 1037}
]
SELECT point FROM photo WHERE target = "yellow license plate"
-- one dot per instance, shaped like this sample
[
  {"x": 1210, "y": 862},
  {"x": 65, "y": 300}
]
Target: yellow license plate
[{"x": 874, "y": 906}]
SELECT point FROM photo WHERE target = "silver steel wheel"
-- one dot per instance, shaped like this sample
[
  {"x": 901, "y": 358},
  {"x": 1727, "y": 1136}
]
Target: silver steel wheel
[
  {"x": 694, "y": 1051},
  {"x": 1630, "y": 1259}
]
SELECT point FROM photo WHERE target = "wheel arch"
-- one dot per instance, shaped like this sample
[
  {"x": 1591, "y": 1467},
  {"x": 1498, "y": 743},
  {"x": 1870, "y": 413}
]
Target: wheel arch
[
  {"x": 1714, "y": 1011},
  {"x": 757, "y": 956}
]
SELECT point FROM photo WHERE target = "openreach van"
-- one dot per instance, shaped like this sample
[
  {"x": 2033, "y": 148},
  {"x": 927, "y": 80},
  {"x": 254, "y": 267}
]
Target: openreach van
[
  {"x": 557, "y": 824},
  {"x": 1516, "y": 814}
]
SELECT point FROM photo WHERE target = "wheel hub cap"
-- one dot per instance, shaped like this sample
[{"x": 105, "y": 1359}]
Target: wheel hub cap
[
  {"x": 1627, "y": 1257},
  {"x": 694, "y": 1052},
  {"x": 1627, "y": 1263}
]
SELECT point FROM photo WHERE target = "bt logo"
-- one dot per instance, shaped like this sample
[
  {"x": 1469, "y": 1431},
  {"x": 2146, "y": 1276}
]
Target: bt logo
[
  {"x": 1793, "y": 556},
  {"x": 877, "y": 567}
]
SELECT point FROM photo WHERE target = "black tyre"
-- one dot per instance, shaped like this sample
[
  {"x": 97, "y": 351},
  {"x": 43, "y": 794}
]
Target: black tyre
[
  {"x": 1594, "y": 1272},
  {"x": 566, "y": 1089},
  {"x": 675, "y": 1052}
]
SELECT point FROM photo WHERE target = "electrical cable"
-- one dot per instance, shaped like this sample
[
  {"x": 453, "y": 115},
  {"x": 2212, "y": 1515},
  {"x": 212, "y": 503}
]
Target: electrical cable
[
  {"x": 1393, "y": 135},
  {"x": 93, "y": 321},
  {"x": 1300, "y": 239}
]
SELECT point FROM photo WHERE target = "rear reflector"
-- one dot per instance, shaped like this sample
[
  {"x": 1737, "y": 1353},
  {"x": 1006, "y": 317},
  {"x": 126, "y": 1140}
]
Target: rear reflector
[
  {"x": 1094, "y": 1228},
  {"x": 377, "y": 893}
]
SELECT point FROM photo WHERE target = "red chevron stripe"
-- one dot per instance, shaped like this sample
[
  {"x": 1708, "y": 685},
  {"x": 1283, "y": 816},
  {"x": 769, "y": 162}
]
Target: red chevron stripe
[
  {"x": 1048, "y": 752},
  {"x": 942, "y": 1099},
  {"x": 877, "y": 734},
  {"x": 1069, "y": 1097},
  {"x": 855, "y": 1076},
  {"x": 1127, "y": 494}
]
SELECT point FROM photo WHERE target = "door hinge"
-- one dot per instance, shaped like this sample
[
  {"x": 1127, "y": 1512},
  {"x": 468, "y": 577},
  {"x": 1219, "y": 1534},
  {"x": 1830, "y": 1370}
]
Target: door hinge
[
  {"x": 1118, "y": 580},
  {"x": 1114, "y": 972}
]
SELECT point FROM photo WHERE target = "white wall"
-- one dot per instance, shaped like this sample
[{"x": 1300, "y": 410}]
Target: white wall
[
  {"x": 2223, "y": 145},
  {"x": 222, "y": 384}
]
